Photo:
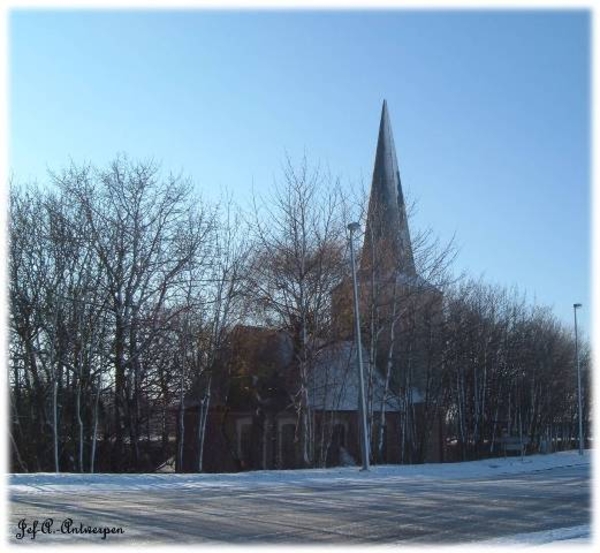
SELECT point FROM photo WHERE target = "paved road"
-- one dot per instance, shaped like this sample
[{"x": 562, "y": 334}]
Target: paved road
[{"x": 422, "y": 511}]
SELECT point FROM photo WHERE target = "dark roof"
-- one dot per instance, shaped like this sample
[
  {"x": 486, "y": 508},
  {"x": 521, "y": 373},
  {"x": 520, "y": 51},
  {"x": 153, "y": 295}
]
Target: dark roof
[{"x": 387, "y": 222}]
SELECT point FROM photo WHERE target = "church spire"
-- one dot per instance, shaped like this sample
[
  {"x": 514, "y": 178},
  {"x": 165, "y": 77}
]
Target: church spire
[{"x": 387, "y": 243}]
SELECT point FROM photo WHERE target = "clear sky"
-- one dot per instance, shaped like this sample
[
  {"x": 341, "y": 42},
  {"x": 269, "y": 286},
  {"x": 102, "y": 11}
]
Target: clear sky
[{"x": 490, "y": 112}]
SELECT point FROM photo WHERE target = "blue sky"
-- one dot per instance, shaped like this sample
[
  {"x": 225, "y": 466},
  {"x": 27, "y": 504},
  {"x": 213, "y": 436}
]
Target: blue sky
[{"x": 490, "y": 112}]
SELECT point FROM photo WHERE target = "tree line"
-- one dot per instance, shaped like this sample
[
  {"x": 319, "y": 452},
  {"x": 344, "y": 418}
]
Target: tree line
[{"x": 124, "y": 287}]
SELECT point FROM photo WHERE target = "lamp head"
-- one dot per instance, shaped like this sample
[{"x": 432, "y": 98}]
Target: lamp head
[
  {"x": 576, "y": 305},
  {"x": 352, "y": 227}
]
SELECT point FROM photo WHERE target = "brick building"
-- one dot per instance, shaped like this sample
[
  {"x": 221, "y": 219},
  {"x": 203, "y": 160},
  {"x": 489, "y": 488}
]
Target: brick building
[{"x": 252, "y": 423}]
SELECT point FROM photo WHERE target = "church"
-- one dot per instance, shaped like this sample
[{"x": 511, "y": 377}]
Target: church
[{"x": 254, "y": 427}]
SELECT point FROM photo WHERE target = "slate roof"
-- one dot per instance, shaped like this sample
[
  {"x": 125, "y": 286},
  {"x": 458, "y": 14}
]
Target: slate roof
[
  {"x": 333, "y": 382},
  {"x": 387, "y": 222}
]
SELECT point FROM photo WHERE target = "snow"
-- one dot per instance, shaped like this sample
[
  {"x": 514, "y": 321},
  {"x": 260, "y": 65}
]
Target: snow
[
  {"x": 574, "y": 534},
  {"x": 334, "y": 385},
  {"x": 69, "y": 483},
  {"x": 39, "y": 483}
]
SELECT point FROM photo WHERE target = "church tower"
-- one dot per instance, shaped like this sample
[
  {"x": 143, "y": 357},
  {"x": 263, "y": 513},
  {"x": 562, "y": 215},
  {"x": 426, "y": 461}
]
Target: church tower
[
  {"x": 400, "y": 310},
  {"x": 387, "y": 242},
  {"x": 387, "y": 268}
]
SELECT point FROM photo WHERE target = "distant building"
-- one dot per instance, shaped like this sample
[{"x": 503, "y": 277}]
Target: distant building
[{"x": 252, "y": 423}]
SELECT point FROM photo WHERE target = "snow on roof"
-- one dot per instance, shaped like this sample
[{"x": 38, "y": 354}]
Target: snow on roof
[
  {"x": 333, "y": 382},
  {"x": 415, "y": 281}
]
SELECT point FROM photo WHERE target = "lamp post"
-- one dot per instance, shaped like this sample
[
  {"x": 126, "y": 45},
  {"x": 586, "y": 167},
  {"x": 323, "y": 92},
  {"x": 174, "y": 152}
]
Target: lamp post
[
  {"x": 352, "y": 227},
  {"x": 579, "y": 408}
]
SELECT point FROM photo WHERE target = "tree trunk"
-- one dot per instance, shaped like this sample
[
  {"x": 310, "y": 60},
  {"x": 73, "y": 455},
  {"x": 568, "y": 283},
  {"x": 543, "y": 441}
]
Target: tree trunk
[
  {"x": 95, "y": 433},
  {"x": 203, "y": 416}
]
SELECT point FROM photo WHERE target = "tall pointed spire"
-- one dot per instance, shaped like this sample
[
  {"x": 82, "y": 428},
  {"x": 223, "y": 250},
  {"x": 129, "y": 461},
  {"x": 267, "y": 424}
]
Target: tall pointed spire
[{"x": 387, "y": 244}]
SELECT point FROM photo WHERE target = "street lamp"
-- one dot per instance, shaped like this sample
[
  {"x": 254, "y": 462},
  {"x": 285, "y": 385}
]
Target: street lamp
[
  {"x": 580, "y": 410},
  {"x": 353, "y": 227}
]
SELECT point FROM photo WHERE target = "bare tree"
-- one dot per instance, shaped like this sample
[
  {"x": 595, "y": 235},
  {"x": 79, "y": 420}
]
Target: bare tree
[
  {"x": 96, "y": 262},
  {"x": 298, "y": 260},
  {"x": 509, "y": 371},
  {"x": 147, "y": 236},
  {"x": 124, "y": 289},
  {"x": 222, "y": 300},
  {"x": 402, "y": 300}
]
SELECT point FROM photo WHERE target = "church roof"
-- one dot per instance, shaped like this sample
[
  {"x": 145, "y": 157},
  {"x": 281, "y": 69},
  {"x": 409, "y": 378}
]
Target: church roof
[{"x": 333, "y": 382}]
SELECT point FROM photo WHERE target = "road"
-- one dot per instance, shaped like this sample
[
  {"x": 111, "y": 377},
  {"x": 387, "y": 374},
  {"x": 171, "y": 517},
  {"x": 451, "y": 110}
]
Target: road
[{"x": 435, "y": 511}]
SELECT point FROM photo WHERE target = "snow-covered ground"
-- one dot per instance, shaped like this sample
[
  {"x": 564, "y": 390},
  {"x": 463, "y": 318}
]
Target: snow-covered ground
[
  {"x": 575, "y": 534},
  {"x": 49, "y": 483},
  {"x": 36, "y": 483}
]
